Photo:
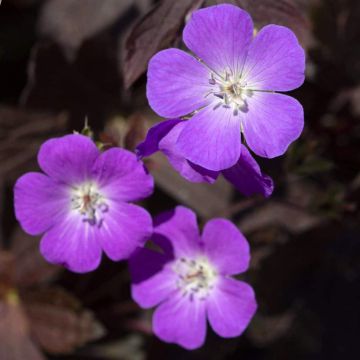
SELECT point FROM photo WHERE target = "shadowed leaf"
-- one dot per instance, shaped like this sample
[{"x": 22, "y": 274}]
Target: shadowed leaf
[
  {"x": 207, "y": 200},
  {"x": 71, "y": 22},
  {"x": 58, "y": 323},
  {"x": 265, "y": 330},
  {"x": 281, "y": 12},
  {"x": 21, "y": 134},
  {"x": 155, "y": 31},
  {"x": 127, "y": 133},
  {"x": 7, "y": 265},
  {"x": 15, "y": 343},
  {"x": 280, "y": 214},
  {"x": 126, "y": 348},
  {"x": 31, "y": 268}
]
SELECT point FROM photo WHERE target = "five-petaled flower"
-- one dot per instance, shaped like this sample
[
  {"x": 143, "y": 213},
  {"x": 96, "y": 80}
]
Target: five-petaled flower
[
  {"x": 245, "y": 175},
  {"x": 229, "y": 87},
  {"x": 190, "y": 280},
  {"x": 81, "y": 204}
]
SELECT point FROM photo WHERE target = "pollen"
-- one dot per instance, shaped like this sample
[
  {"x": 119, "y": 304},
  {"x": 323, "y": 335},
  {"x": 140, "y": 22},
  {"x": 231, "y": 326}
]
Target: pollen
[
  {"x": 231, "y": 89},
  {"x": 87, "y": 200},
  {"x": 195, "y": 277}
]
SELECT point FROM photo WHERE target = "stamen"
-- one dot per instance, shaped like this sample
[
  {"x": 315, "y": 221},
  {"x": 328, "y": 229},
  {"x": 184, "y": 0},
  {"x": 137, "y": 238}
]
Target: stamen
[
  {"x": 87, "y": 200},
  {"x": 212, "y": 79},
  {"x": 231, "y": 89},
  {"x": 217, "y": 105},
  {"x": 196, "y": 278},
  {"x": 219, "y": 95}
]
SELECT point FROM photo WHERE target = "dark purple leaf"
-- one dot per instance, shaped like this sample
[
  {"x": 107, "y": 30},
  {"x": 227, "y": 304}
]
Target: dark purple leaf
[
  {"x": 15, "y": 341},
  {"x": 71, "y": 22},
  {"x": 155, "y": 31},
  {"x": 290, "y": 13},
  {"x": 21, "y": 134},
  {"x": 58, "y": 323},
  {"x": 31, "y": 268},
  {"x": 125, "y": 132}
]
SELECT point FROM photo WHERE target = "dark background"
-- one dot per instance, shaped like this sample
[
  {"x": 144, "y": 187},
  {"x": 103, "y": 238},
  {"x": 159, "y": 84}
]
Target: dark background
[{"x": 62, "y": 61}]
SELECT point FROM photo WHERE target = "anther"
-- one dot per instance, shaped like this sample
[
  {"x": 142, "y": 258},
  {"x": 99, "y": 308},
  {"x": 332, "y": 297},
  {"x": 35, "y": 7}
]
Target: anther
[
  {"x": 89, "y": 203},
  {"x": 195, "y": 277}
]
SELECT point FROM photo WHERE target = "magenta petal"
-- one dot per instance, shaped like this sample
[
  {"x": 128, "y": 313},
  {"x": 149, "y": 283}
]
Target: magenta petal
[
  {"x": 197, "y": 173},
  {"x": 163, "y": 137},
  {"x": 190, "y": 172},
  {"x": 151, "y": 144},
  {"x": 69, "y": 158},
  {"x": 152, "y": 279},
  {"x": 179, "y": 227},
  {"x": 231, "y": 307},
  {"x": 72, "y": 243},
  {"x": 226, "y": 247},
  {"x": 125, "y": 227},
  {"x": 275, "y": 61},
  {"x": 272, "y": 123},
  {"x": 220, "y": 36},
  {"x": 121, "y": 176},
  {"x": 211, "y": 139},
  {"x": 180, "y": 321},
  {"x": 177, "y": 83},
  {"x": 247, "y": 177},
  {"x": 39, "y": 202}
]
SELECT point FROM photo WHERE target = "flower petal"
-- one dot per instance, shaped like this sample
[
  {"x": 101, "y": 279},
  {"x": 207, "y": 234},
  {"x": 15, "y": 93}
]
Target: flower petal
[
  {"x": 151, "y": 144},
  {"x": 211, "y": 139},
  {"x": 189, "y": 171},
  {"x": 220, "y": 36},
  {"x": 39, "y": 202},
  {"x": 72, "y": 243},
  {"x": 226, "y": 247},
  {"x": 177, "y": 83},
  {"x": 152, "y": 281},
  {"x": 125, "y": 227},
  {"x": 121, "y": 176},
  {"x": 177, "y": 233},
  {"x": 181, "y": 321},
  {"x": 231, "y": 307},
  {"x": 275, "y": 61},
  {"x": 247, "y": 177},
  {"x": 69, "y": 158},
  {"x": 272, "y": 123}
]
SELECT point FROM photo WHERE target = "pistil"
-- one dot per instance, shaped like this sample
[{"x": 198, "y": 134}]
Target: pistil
[
  {"x": 231, "y": 89},
  {"x": 88, "y": 201},
  {"x": 196, "y": 277}
]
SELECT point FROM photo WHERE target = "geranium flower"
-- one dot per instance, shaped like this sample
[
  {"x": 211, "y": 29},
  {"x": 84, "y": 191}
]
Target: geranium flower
[
  {"x": 229, "y": 86},
  {"x": 190, "y": 281},
  {"x": 245, "y": 175},
  {"x": 81, "y": 204}
]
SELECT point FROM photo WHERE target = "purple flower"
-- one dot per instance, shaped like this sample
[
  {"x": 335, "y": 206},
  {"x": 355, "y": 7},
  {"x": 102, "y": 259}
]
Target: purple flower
[
  {"x": 245, "y": 175},
  {"x": 190, "y": 280},
  {"x": 81, "y": 204},
  {"x": 229, "y": 87}
]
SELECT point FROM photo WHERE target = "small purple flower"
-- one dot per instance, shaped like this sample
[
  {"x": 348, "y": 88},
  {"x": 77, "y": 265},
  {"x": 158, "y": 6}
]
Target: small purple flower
[
  {"x": 229, "y": 87},
  {"x": 81, "y": 204},
  {"x": 245, "y": 175},
  {"x": 190, "y": 280}
]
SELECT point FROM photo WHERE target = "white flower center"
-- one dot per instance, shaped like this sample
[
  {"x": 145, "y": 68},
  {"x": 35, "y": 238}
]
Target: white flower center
[
  {"x": 230, "y": 90},
  {"x": 88, "y": 201},
  {"x": 196, "y": 278}
]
